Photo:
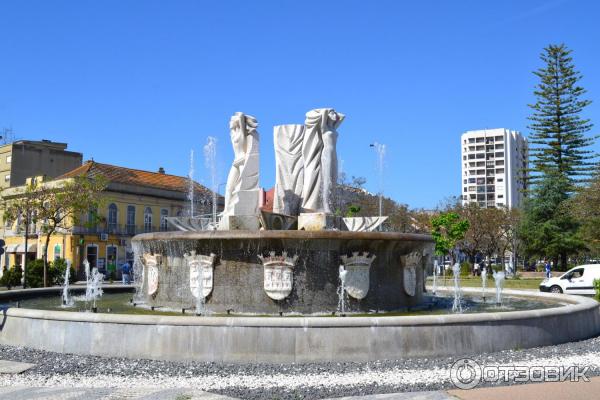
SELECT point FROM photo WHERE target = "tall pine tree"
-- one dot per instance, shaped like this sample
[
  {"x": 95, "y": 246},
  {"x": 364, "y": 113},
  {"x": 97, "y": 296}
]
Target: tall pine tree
[
  {"x": 561, "y": 157},
  {"x": 559, "y": 145}
]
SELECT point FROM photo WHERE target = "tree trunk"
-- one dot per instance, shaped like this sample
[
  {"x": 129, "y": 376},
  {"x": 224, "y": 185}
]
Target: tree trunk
[
  {"x": 564, "y": 261},
  {"x": 46, "y": 259}
]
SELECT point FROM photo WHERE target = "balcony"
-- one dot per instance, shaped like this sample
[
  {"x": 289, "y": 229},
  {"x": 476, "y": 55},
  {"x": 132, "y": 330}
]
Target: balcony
[{"x": 115, "y": 229}]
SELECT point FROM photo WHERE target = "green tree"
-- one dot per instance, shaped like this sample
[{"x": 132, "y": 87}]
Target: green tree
[
  {"x": 585, "y": 206},
  {"x": 559, "y": 146},
  {"x": 448, "y": 229},
  {"x": 57, "y": 205},
  {"x": 549, "y": 229}
]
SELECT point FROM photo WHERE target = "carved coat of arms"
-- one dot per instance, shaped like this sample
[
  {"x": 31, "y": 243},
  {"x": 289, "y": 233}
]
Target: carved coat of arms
[
  {"x": 411, "y": 263},
  {"x": 278, "y": 274},
  {"x": 201, "y": 273},
  {"x": 357, "y": 268},
  {"x": 151, "y": 272}
]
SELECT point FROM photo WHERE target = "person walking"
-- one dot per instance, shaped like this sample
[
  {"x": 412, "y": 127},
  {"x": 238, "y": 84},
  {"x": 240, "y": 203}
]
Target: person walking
[
  {"x": 126, "y": 271},
  {"x": 548, "y": 269}
]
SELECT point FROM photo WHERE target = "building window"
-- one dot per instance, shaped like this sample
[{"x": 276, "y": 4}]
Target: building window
[
  {"x": 148, "y": 219},
  {"x": 112, "y": 218},
  {"x": 130, "y": 225},
  {"x": 92, "y": 219},
  {"x": 8, "y": 159},
  {"x": 57, "y": 252},
  {"x": 7, "y": 178},
  {"x": 164, "y": 213}
]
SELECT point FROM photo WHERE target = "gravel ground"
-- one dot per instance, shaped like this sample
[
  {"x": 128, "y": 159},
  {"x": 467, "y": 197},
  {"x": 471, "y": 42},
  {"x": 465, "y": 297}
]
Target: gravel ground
[{"x": 310, "y": 381}]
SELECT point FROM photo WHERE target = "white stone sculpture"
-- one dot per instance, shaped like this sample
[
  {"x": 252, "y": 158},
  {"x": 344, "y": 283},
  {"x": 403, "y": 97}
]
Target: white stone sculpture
[
  {"x": 289, "y": 173},
  {"x": 320, "y": 159},
  {"x": 201, "y": 273},
  {"x": 151, "y": 272},
  {"x": 356, "y": 282},
  {"x": 363, "y": 224},
  {"x": 278, "y": 274},
  {"x": 242, "y": 191},
  {"x": 412, "y": 262}
]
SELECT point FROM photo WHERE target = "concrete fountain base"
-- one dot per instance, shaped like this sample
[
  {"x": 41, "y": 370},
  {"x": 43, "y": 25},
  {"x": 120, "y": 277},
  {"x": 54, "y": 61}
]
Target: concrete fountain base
[
  {"x": 288, "y": 272},
  {"x": 300, "y": 339}
]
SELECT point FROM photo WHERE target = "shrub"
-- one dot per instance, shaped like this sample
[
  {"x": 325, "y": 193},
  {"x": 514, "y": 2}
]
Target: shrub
[
  {"x": 57, "y": 272},
  {"x": 11, "y": 277},
  {"x": 34, "y": 275},
  {"x": 597, "y": 288},
  {"x": 466, "y": 268}
]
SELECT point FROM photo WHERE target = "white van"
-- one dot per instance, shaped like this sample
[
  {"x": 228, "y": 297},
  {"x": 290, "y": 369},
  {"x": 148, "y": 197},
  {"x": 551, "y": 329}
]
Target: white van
[{"x": 578, "y": 280}]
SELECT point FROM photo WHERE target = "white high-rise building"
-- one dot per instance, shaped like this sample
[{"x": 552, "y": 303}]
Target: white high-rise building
[{"x": 494, "y": 163}]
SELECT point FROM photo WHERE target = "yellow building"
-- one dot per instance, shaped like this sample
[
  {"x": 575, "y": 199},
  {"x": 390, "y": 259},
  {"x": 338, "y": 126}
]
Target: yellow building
[{"x": 133, "y": 202}]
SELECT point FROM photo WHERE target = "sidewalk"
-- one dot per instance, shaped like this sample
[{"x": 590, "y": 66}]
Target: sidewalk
[{"x": 533, "y": 391}]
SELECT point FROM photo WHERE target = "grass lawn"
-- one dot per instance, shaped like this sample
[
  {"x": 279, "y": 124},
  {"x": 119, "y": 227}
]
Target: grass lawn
[{"x": 532, "y": 283}]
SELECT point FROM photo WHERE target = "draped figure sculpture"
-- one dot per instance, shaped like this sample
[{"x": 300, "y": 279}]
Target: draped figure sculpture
[
  {"x": 241, "y": 193},
  {"x": 320, "y": 159},
  {"x": 289, "y": 173}
]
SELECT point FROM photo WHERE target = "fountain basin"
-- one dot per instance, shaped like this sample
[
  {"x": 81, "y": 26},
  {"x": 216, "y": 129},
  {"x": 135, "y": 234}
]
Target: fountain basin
[
  {"x": 239, "y": 279},
  {"x": 299, "y": 339}
]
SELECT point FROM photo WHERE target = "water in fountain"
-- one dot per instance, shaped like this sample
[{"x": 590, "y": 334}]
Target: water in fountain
[
  {"x": 93, "y": 288},
  {"x": 67, "y": 301},
  {"x": 199, "y": 295},
  {"x": 435, "y": 270},
  {"x": 457, "y": 303},
  {"x": 191, "y": 184},
  {"x": 138, "y": 272},
  {"x": 342, "y": 290},
  {"x": 483, "y": 282},
  {"x": 499, "y": 279},
  {"x": 210, "y": 160},
  {"x": 380, "y": 149}
]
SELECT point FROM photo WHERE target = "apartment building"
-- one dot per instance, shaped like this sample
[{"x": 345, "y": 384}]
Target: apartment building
[
  {"x": 23, "y": 159},
  {"x": 494, "y": 163}
]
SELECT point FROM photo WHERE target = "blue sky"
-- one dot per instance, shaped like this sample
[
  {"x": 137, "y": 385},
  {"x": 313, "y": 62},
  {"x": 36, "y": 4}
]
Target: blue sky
[{"x": 140, "y": 83}]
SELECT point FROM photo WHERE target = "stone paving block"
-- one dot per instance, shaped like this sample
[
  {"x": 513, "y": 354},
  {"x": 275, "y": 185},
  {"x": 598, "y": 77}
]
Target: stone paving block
[
  {"x": 403, "y": 396},
  {"x": 13, "y": 367},
  {"x": 76, "y": 393}
]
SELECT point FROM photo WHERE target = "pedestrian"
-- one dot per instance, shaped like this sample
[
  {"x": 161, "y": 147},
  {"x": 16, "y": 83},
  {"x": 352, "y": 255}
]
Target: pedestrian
[
  {"x": 476, "y": 269},
  {"x": 125, "y": 271},
  {"x": 548, "y": 269}
]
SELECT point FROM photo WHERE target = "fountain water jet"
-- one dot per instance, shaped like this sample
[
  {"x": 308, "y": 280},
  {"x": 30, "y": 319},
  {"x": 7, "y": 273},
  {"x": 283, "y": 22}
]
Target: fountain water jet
[
  {"x": 499, "y": 279},
  {"x": 67, "y": 301},
  {"x": 483, "y": 282},
  {"x": 93, "y": 287},
  {"x": 435, "y": 270},
  {"x": 457, "y": 303},
  {"x": 210, "y": 161},
  {"x": 342, "y": 290},
  {"x": 191, "y": 184}
]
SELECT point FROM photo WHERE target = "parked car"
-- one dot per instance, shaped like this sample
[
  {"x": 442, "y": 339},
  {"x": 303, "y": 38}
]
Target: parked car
[{"x": 578, "y": 280}]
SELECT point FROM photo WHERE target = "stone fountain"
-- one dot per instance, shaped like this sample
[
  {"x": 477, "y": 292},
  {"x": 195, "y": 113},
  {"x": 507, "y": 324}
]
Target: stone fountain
[{"x": 288, "y": 260}]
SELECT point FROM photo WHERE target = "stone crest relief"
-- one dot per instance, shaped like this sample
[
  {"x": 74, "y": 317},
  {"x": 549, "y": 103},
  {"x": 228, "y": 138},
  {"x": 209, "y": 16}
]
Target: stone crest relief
[
  {"x": 151, "y": 271},
  {"x": 201, "y": 273},
  {"x": 278, "y": 274},
  {"x": 411, "y": 263},
  {"x": 358, "y": 268}
]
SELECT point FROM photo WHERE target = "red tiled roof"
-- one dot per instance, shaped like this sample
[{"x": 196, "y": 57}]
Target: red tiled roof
[{"x": 134, "y": 177}]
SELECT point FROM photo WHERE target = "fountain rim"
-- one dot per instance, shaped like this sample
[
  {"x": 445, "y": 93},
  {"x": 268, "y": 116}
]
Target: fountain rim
[
  {"x": 574, "y": 304},
  {"x": 283, "y": 234}
]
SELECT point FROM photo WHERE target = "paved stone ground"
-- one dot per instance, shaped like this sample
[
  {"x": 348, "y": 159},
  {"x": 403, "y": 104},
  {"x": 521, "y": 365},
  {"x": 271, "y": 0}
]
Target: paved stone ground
[
  {"x": 428, "y": 377},
  {"x": 13, "y": 367},
  {"x": 61, "y": 393}
]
